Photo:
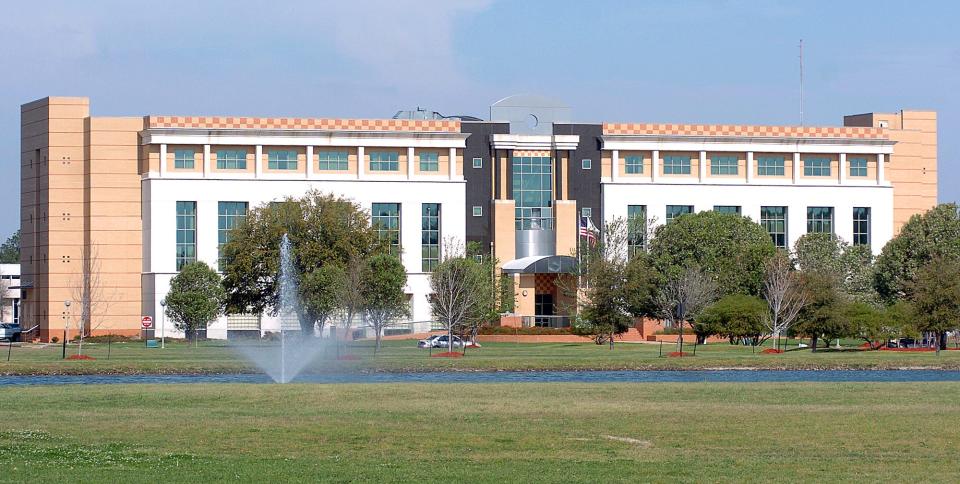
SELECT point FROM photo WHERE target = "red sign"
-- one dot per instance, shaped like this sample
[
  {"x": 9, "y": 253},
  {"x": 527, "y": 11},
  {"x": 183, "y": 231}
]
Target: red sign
[{"x": 146, "y": 322}]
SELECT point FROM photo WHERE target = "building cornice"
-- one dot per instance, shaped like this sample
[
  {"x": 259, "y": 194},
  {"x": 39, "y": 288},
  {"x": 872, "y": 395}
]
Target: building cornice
[{"x": 534, "y": 142}]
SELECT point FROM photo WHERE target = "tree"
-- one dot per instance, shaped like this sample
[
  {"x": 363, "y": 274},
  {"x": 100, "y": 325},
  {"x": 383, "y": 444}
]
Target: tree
[
  {"x": 196, "y": 298},
  {"x": 730, "y": 248},
  {"x": 641, "y": 285},
  {"x": 850, "y": 266},
  {"x": 925, "y": 237},
  {"x": 459, "y": 289},
  {"x": 90, "y": 293},
  {"x": 323, "y": 230},
  {"x": 321, "y": 293},
  {"x": 10, "y": 250},
  {"x": 784, "y": 294},
  {"x": 823, "y": 315},
  {"x": 683, "y": 295},
  {"x": 936, "y": 298},
  {"x": 736, "y": 316},
  {"x": 351, "y": 296},
  {"x": 873, "y": 325},
  {"x": 384, "y": 300},
  {"x": 600, "y": 283}
]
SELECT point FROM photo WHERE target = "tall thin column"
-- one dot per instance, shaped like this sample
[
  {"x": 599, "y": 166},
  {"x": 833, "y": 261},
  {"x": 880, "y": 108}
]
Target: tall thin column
[
  {"x": 655, "y": 165},
  {"x": 750, "y": 169},
  {"x": 702, "y": 171},
  {"x": 258, "y": 161},
  {"x": 880, "y": 178},
  {"x": 615, "y": 165},
  {"x": 163, "y": 159}
]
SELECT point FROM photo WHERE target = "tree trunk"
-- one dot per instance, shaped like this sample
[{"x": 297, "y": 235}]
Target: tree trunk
[
  {"x": 449, "y": 338},
  {"x": 376, "y": 348},
  {"x": 680, "y": 340},
  {"x": 813, "y": 344},
  {"x": 611, "y": 340},
  {"x": 942, "y": 340}
]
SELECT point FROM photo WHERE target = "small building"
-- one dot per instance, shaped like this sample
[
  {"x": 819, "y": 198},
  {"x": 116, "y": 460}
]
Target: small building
[{"x": 10, "y": 293}]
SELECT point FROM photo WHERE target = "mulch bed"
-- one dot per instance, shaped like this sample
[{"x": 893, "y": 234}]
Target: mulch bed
[
  {"x": 448, "y": 354},
  {"x": 80, "y": 357},
  {"x": 771, "y": 351},
  {"x": 679, "y": 354},
  {"x": 909, "y": 350}
]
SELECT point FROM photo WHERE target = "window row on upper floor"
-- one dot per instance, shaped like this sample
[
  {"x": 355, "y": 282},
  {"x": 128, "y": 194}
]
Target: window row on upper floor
[{"x": 722, "y": 164}]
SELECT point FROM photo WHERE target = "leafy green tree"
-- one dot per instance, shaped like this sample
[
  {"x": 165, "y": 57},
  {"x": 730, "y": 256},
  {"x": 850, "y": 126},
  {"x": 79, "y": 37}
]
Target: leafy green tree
[
  {"x": 850, "y": 266},
  {"x": 876, "y": 326},
  {"x": 321, "y": 293},
  {"x": 641, "y": 285},
  {"x": 384, "y": 300},
  {"x": 925, "y": 237},
  {"x": 936, "y": 298},
  {"x": 196, "y": 298},
  {"x": 736, "y": 316},
  {"x": 323, "y": 230},
  {"x": 10, "y": 250},
  {"x": 823, "y": 316},
  {"x": 730, "y": 248}
]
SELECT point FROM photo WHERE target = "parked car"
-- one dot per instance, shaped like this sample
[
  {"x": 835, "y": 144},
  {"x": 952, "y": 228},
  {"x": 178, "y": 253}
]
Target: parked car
[
  {"x": 443, "y": 342},
  {"x": 427, "y": 343},
  {"x": 10, "y": 331}
]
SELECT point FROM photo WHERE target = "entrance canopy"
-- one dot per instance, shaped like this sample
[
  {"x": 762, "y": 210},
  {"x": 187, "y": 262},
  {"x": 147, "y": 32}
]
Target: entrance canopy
[{"x": 541, "y": 264}]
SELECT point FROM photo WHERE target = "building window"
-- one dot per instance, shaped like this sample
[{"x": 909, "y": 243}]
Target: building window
[
  {"x": 430, "y": 236},
  {"x": 770, "y": 166},
  {"x": 820, "y": 220},
  {"x": 633, "y": 164},
  {"x": 478, "y": 162},
  {"x": 861, "y": 225},
  {"x": 774, "y": 219},
  {"x": 636, "y": 228},
  {"x": 586, "y": 164},
  {"x": 533, "y": 192},
  {"x": 674, "y": 211},
  {"x": 477, "y": 211},
  {"x": 816, "y": 166},
  {"x": 586, "y": 212},
  {"x": 282, "y": 160},
  {"x": 384, "y": 161},
  {"x": 229, "y": 215},
  {"x": 231, "y": 160},
  {"x": 429, "y": 161},
  {"x": 385, "y": 218},
  {"x": 858, "y": 166},
  {"x": 333, "y": 160},
  {"x": 724, "y": 165},
  {"x": 676, "y": 165},
  {"x": 186, "y": 233},
  {"x": 727, "y": 209},
  {"x": 183, "y": 159}
]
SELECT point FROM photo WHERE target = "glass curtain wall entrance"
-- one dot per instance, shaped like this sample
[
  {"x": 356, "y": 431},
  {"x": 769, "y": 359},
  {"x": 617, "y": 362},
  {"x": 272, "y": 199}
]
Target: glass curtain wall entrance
[{"x": 533, "y": 192}]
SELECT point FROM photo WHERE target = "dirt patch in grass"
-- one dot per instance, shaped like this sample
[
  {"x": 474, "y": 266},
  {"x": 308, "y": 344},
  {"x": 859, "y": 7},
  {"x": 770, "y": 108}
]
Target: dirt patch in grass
[
  {"x": 448, "y": 354},
  {"x": 80, "y": 357},
  {"x": 771, "y": 351},
  {"x": 679, "y": 354}
]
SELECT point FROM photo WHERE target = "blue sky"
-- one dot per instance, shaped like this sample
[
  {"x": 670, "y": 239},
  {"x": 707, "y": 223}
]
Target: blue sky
[{"x": 670, "y": 61}]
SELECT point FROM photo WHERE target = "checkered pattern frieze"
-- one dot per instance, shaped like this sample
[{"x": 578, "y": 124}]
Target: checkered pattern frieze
[
  {"x": 537, "y": 153},
  {"x": 326, "y": 124},
  {"x": 741, "y": 130}
]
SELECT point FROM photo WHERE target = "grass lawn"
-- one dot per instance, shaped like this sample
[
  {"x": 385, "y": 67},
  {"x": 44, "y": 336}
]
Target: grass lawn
[
  {"x": 689, "y": 432},
  {"x": 217, "y": 356}
]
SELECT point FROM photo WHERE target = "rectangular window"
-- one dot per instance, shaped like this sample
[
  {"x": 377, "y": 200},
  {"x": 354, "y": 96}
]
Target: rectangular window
[
  {"x": 727, "y": 209},
  {"x": 186, "y": 233},
  {"x": 231, "y": 160},
  {"x": 774, "y": 219},
  {"x": 861, "y": 225},
  {"x": 183, "y": 159},
  {"x": 586, "y": 164},
  {"x": 586, "y": 212},
  {"x": 816, "y": 166},
  {"x": 384, "y": 161},
  {"x": 770, "y": 166},
  {"x": 478, "y": 162},
  {"x": 676, "y": 165},
  {"x": 282, "y": 160},
  {"x": 724, "y": 165},
  {"x": 385, "y": 218},
  {"x": 430, "y": 236},
  {"x": 477, "y": 211},
  {"x": 229, "y": 215},
  {"x": 333, "y": 160},
  {"x": 858, "y": 166},
  {"x": 533, "y": 192},
  {"x": 674, "y": 211},
  {"x": 820, "y": 220},
  {"x": 429, "y": 161},
  {"x": 633, "y": 164},
  {"x": 636, "y": 228}
]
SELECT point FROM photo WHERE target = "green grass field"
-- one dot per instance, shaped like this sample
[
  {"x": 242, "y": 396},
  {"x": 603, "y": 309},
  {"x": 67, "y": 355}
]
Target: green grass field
[
  {"x": 481, "y": 432},
  {"x": 217, "y": 356}
]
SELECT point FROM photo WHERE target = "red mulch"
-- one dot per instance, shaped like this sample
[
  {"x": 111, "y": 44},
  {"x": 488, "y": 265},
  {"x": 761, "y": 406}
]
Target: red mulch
[
  {"x": 771, "y": 351},
  {"x": 348, "y": 357},
  {"x": 80, "y": 357},
  {"x": 924, "y": 349},
  {"x": 448, "y": 354},
  {"x": 679, "y": 354}
]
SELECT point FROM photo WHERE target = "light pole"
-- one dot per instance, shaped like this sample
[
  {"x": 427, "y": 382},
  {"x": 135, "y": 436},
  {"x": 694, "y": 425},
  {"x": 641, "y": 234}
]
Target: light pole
[
  {"x": 163, "y": 306},
  {"x": 66, "y": 313}
]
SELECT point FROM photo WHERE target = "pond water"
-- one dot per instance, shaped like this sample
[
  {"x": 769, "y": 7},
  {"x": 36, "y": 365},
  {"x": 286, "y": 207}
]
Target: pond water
[{"x": 516, "y": 377}]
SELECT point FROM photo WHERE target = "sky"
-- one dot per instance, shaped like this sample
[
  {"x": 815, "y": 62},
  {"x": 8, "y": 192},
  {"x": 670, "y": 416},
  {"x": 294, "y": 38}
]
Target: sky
[{"x": 643, "y": 61}]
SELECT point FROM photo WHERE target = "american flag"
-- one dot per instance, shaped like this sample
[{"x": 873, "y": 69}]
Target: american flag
[{"x": 587, "y": 229}]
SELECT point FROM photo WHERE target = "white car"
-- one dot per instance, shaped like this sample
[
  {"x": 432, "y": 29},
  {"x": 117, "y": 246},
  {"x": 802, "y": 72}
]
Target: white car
[
  {"x": 10, "y": 331},
  {"x": 428, "y": 342}
]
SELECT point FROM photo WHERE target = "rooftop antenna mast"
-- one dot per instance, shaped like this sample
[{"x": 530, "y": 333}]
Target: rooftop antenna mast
[{"x": 801, "y": 82}]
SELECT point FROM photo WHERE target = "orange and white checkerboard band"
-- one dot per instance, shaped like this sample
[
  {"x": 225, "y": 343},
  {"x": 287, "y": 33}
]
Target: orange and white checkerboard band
[
  {"x": 741, "y": 130},
  {"x": 330, "y": 124}
]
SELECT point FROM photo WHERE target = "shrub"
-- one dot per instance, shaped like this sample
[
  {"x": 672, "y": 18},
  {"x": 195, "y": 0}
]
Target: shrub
[{"x": 55, "y": 339}]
